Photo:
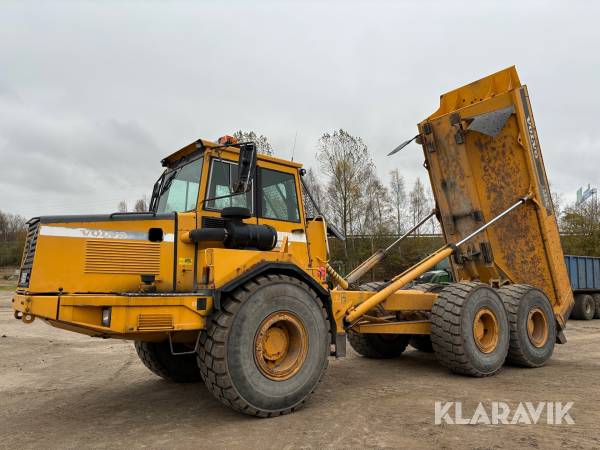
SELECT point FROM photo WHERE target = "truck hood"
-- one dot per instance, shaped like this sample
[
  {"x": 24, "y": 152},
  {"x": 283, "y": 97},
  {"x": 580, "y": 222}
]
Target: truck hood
[{"x": 98, "y": 253}]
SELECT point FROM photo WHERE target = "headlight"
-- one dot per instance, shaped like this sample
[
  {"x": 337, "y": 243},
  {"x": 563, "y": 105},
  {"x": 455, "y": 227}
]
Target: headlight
[{"x": 106, "y": 312}]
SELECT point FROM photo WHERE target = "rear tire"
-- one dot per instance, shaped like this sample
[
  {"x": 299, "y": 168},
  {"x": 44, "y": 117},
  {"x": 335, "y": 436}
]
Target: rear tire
[
  {"x": 377, "y": 346},
  {"x": 596, "y": 298},
  {"x": 157, "y": 357},
  {"x": 469, "y": 329},
  {"x": 531, "y": 323},
  {"x": 266, "y": 350},
  {"x": 585, "y": 307}
]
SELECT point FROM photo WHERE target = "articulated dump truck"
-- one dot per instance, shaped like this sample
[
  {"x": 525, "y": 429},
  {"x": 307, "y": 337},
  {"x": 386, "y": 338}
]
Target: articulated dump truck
[{"x": 226, "y": 279}]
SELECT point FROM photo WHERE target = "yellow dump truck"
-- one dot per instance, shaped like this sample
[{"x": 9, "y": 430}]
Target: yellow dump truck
[{"x": 226, "y": 279}]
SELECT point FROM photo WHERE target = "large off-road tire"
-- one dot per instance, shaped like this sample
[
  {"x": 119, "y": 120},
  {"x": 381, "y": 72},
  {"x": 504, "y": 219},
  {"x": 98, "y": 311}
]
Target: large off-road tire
[
  {"x": 377, "y": 346},
  {"x": 596, "y": 298},
  {"x": 157, "y": 357},
  {"x": 531, "y": 323},
  {"x": 422, "y": 342},
  {"x": 469, "y": 329},
  {"x": 266, "y": 350},
  {"x": 584, "y": 308}
]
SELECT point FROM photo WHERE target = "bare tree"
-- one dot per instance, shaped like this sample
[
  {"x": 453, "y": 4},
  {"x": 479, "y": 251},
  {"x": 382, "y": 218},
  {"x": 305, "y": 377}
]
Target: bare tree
[
  {"x": 557, "y": 200},
  {"x": 376, "y": 207},
  {"x": 418, "y": 203},
  {"x": 141, "y": 205},
  {"x": 122, "y": 206},
  {"x": 262, "y": 142},
  {"x": 346, "y": 162},
  {"x": 315, "y": 188},
  {"x": 434, "y": 225},
  {"x": 398, "y": 199}
]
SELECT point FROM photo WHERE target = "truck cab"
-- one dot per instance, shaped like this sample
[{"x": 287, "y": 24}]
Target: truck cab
[{"x": 102, "y": 274}]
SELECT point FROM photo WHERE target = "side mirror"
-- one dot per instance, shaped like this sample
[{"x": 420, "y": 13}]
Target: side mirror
[{"x": 246, "y": 167}]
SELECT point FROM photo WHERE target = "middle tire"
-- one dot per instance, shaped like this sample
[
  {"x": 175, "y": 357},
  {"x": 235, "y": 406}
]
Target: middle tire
[
  {"x": 469, "y": 329},
  {"x": 377, "y": 346},
  {"x": 422, "y": 342},
  {"x": 266, "y": 349}
]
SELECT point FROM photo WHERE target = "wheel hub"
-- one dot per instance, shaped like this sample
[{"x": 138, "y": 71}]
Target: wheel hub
[
  {"x": 485, "y": 330},
  {"x": 280, "y": 345},
  {"x": 537, "y": 327}
]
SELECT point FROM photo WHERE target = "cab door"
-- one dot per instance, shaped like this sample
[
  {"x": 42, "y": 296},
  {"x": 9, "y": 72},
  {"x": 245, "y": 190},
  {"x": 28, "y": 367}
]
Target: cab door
[{"x": 277, "y": 203}]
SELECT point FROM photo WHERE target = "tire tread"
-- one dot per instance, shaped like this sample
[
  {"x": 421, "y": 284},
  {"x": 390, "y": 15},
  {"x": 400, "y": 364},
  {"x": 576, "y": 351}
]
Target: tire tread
[
  {"x": 211, "y": 357},
  {"x": 446, "y": 335}
]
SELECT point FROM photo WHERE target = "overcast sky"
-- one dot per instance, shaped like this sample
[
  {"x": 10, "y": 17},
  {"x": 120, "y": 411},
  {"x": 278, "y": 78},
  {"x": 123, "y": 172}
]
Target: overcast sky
[{"x": 94, "y": 94}]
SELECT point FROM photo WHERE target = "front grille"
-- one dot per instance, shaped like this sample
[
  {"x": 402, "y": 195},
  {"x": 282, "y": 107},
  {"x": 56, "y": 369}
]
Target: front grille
[
  {"x": 103, "y": 256},
  {"x": 212, "y": 222},
  {"x": 29, "y": 252},
  {"x": 155, "y": 322}
]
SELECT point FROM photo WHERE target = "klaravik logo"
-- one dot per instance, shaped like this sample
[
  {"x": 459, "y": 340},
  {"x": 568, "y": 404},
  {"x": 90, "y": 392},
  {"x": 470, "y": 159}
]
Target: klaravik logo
[{"x": 500, "y": 413}]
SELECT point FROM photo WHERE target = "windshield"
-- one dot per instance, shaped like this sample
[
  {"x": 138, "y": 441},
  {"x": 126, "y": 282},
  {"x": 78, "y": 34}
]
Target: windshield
[{"x": 179, "y": 189}]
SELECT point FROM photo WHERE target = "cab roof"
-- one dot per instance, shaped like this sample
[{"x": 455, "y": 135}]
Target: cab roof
[{"x": 202, "y": 145}]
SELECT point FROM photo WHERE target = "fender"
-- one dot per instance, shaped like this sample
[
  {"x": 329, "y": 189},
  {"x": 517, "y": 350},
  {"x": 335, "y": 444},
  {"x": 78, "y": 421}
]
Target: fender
[{"x": 291, "y": 270}]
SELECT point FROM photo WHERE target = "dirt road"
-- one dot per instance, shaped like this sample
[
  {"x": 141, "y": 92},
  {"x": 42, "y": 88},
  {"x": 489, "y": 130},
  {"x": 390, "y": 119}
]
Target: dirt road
[{"x": 62, "y": 390}]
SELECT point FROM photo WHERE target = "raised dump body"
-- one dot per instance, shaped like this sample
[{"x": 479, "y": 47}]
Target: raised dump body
[{"x": 483, "y": 154}]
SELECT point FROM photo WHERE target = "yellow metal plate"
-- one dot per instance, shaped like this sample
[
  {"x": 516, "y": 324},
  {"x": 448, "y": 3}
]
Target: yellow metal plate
[{"x": 413, "y": 327}]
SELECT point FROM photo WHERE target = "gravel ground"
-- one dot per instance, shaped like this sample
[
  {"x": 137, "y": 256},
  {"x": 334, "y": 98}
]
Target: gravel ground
[{"x": 63, "y": 390}]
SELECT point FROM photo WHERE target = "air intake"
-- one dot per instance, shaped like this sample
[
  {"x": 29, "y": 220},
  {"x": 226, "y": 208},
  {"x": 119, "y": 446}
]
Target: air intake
[
  {"x": 138, "y": 258},
  {"x": 155, "y": 322}
]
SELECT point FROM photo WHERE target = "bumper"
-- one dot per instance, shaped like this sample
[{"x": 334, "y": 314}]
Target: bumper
[{"x": 130, "y": 315}]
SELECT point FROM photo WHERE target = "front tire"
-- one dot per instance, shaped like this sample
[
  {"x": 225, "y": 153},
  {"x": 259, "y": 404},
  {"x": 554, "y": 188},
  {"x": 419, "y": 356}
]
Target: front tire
[
  {"x": 266, "y": 350},
  {"x": 157, "y": 357}
]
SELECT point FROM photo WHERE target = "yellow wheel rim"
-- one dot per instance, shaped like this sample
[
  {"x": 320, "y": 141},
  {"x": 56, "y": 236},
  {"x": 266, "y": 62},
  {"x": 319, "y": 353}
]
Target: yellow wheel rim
[
  {"x": 280, "y": 345},
  {"x": 485, "y": 330},
  {"x": 537, "y": 327}
]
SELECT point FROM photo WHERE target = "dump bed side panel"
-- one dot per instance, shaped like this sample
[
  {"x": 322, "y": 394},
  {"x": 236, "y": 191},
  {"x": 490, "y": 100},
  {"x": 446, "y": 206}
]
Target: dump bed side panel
[{"x": 483, "y": 154}]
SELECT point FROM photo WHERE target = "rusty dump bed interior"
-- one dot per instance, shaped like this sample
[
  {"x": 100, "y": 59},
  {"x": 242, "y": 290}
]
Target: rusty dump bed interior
[{"x": 483, "y": 154}]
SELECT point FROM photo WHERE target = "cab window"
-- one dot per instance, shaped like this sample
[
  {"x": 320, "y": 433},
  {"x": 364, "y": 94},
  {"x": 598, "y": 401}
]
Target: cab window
[
  {"x": 180, "y": 188},
  {"x": 278, "y": 197},
  {"x": 222, "y": 175}
]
